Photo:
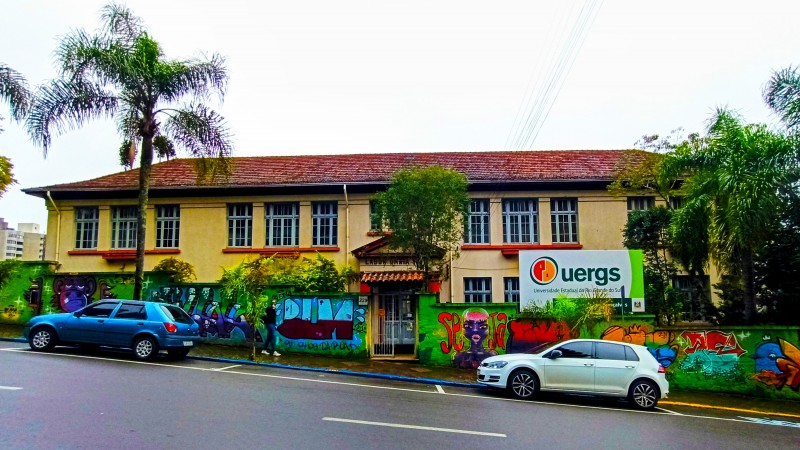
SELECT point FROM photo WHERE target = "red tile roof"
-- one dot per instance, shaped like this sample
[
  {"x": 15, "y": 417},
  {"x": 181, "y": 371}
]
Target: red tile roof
[{"x": 377, "y": 168}]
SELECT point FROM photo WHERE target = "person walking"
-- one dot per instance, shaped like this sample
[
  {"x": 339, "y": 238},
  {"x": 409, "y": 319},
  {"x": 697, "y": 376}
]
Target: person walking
[{"x": 272, "y": 330}]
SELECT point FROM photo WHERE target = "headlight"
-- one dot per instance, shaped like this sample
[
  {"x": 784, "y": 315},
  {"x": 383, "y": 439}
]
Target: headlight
[{"x": 495, "y": 364}]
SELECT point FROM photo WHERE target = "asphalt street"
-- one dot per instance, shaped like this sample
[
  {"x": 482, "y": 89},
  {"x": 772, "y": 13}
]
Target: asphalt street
[{"x": 74, "y": 399}]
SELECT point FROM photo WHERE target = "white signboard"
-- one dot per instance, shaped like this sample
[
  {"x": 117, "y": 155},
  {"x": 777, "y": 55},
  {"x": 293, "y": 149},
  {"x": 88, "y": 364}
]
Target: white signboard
[{"x": 545, "y": 275}]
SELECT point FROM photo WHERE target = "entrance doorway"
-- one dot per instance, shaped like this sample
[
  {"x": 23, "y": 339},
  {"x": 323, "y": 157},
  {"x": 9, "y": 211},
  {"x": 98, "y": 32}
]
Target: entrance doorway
[{"x": 395, "y": 325}]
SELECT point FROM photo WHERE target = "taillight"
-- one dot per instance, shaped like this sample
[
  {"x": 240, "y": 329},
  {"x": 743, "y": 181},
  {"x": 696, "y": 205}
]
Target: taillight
[
  {"x": 661, "y": 369},
  {"x": 171, "y": 327}
]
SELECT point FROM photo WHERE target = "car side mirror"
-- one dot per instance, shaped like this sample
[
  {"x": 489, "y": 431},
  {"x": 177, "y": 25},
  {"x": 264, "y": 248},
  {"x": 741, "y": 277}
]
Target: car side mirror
[
  {"x": 77, "y": 314},
  {"x": 556, "y": 354}
]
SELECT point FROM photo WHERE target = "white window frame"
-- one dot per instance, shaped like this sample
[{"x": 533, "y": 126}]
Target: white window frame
[
  {"x": 87, "y": 222},
  {"x": 641, "y": 203},
  {"x": 168, "y": 226},
  {"x": 520, "y": 221},
  {"x": 123, "y": 226},
  {"x": 325, "y": 223},
  {"x": 282, "y": 224},
  {"x": 477, "y": 290},
  {"x": 511, "y": 289},
  {"x": 477, "y": 225},
  {"x": 564, "y": 220},
  {"x": 240, "y": 225}
]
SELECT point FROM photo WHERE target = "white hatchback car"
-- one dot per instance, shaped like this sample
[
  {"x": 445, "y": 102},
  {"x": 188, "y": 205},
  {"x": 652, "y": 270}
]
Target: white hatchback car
[{"x": 583, "y": 366}]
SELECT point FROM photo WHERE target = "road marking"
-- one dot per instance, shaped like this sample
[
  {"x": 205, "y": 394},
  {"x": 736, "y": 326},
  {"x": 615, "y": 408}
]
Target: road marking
[
  {"x": 780, "y": 423},
  {"x": 671, "y": 412},
  {"x": 414, "y": 427},
  {"x": 439, "y": 389},
  {"x": 226, "y": 368},
  {"x": 390, "y": 388},
  {"x": 9, "y": 388}
]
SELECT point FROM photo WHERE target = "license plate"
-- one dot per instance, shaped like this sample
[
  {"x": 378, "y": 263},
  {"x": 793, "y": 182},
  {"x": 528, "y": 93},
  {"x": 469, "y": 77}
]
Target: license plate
[{"x": 187, "y": 343}]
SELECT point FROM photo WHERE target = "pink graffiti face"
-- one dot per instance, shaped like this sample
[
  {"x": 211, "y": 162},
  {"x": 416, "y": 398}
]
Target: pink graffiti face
[{"x": 476, "y": 330}]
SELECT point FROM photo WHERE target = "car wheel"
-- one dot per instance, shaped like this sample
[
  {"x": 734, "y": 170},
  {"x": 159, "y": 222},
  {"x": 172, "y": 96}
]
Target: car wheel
[
  {"x": 42, "y": 338},
  {"x": 523, "y": 384},
  {"x": 145, "y": 348},
  {"x": 644, "y": 394},
  {"x": 178, "y": 353}
]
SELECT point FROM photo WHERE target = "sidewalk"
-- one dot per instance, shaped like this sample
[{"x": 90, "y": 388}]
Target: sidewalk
[{"x": 406, "y": 370}]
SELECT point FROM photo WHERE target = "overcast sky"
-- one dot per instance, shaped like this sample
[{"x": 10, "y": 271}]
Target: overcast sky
[{"x": 333, "y": 77}]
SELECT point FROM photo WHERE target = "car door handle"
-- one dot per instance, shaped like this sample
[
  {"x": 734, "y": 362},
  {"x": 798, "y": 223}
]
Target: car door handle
[
  {"x": 100, "y": 320},
  {"x": 139, "y": 323},
  {"x": 630, "y": 367},
  {"x": 588, "y": 365}
]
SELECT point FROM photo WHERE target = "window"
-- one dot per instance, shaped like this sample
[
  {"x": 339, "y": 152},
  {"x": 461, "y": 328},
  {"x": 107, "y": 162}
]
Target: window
[
  {"x": 240, "y": 225},
  {"x": 477, "y": 290},
  {"x": 123, "y": 226},
  {"x": 86, "y": 224},
  {"x": 168, "y": 226},
  {"x": 564, "y": 220},
  {"x": 581, "y": 349},
  {"x": 130, "y": 311},
  {"x": 611, "y": 351},
  {"x": 100, "y": 309},
  {"x": 631, "y": 355},
  {"x": 375, "y": 222},
  {"x": 511, "y": 285},
  {"x": 520, "y": 221},
  {"x": 324, "y": 223},
  {"x": 283, "y": 224},
  {"x": 177, "y": 314},
  {"x": 676, "y": 202},
  {"x": 640, "y": 203},
  {"x": 697, "y": 292},
  {"x": 476, "y": 230}
]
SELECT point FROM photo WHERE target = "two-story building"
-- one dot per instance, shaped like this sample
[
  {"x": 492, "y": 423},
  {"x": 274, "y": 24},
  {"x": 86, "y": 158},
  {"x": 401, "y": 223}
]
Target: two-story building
[{"x": 300, "y": 205}]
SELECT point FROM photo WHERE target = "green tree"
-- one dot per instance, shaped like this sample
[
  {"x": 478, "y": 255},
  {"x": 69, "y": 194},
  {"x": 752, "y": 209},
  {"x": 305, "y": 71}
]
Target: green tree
[
  {"x": 735, "y": 174},
  {"x": 179, "y": 271},
  {"x": 246, "y": 283},
  {"x": 14, "y": 90},
  {"x": 425, "y": 208},
  {"x": 121, "y": 73},
  {"x": 782, "y": 95},
  {"x": 648, "y": 231}
]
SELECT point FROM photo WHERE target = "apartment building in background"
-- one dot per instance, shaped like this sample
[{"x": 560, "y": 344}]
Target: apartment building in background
[{"x": 26, "y": 242}]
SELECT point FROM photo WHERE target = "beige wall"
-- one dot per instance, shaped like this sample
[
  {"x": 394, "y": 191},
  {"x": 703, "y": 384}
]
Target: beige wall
[{"x": 203, "y": 234}]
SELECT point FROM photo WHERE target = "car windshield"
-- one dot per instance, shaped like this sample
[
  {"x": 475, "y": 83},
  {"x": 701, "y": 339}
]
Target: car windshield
[
  {"x": 176, "y": 314},
  {"x": 543, "y": 347}
]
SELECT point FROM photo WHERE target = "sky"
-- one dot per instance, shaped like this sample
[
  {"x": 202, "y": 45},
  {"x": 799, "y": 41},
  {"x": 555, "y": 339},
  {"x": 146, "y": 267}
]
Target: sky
[{"x": 342, "y": 77}]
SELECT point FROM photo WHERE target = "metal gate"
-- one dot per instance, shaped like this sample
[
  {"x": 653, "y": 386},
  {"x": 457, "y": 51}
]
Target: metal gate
[{"x": 395, "y": 323}]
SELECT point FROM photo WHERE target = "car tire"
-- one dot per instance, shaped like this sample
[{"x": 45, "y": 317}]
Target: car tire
[
  {"x": 145, "y": 348},
  {"x": 178, "y": 353},
  {"x": 644, "y": 394},
  {"x": 523, "y": 384},
  {"x": 42, "y": 339}
]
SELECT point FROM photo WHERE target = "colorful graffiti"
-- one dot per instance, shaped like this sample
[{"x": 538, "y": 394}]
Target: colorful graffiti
[
  {"x": 476, "y": 330},
  {"x": 321, "y": 324},
  {"x": 524, "y": 336},
  {"x": 778, "y": 364},
  {"x": 714, "y": 354},
  {"x": 660, "y": 343}
]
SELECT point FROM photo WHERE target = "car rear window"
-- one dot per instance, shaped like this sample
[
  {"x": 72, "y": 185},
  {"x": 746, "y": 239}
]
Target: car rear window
[
  {"x": 615, "y": 352},
  {"x": 176, "y": 314},
  {"x": 631, "y": 355}
]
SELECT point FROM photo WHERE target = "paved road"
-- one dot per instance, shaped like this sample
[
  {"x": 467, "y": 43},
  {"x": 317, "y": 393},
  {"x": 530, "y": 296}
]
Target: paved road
[{"x": 71, "y": 399}]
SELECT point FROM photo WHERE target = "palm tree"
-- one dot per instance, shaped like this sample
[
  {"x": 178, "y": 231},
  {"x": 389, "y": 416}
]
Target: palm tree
[
  {"x": 121, "y": 73},
  {"x": 782, "y": 95},
  {"x": 14, "y": 90},
  {"x": 734, "y": 177}
]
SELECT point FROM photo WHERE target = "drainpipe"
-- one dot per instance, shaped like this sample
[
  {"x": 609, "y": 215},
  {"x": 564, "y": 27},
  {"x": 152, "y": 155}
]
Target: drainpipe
[
  {"x": 347, "y": 226},
  {"x": 58, "y": 228}
]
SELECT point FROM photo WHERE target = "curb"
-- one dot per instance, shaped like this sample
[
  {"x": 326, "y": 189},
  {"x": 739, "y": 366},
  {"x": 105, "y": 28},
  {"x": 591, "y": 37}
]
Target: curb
[{"x": 342, "y": 372}]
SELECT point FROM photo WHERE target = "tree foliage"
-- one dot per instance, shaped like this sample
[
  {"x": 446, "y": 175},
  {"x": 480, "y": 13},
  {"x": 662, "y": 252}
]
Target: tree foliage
[
  {"x": 121, "y": 72},
  {"x": 14, "y": 90},
  {"x": 735, "y": 174},
  {"x": 179, "y": 271},
  {"x": 425, "y": 208}
]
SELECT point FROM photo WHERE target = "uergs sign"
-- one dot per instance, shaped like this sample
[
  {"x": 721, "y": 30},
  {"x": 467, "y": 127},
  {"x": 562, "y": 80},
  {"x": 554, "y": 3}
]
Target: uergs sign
[{"x": 545, "y": 275}]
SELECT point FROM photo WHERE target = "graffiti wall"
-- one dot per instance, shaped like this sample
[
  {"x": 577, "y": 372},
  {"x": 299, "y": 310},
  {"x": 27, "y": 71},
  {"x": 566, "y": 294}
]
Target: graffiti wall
[{"x": 762, "y": 361}]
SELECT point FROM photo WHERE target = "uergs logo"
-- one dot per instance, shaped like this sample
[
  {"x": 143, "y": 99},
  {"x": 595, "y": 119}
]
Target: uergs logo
[{"x": 544, "y": 270}]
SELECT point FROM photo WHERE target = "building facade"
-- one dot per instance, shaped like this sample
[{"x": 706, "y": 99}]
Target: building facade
[
  {"x": 297, "y": 206},
  {"x": 25, "y": 243}
]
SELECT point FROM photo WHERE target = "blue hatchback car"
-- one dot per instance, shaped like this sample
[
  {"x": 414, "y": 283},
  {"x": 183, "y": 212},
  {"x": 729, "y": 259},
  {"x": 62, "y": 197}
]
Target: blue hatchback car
[{"x": 145, "y": 327}]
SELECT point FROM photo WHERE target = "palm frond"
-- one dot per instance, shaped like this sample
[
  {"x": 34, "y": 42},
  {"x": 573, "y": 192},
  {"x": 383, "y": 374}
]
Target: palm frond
[
  {"x": 197, "y": 78},
  {"x": 64, "y": 105},
  {"x": 782, "y": 95},
  {"x": 120, "y": 24},
  {"x": 202, "y": 132},
  {"x": 14, "y": 89}
]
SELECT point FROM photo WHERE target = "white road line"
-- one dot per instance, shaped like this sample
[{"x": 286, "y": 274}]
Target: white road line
[
  {"x": 671, "y": 412},
  {"x": 413, "y": 427},
  {"x": 9, "y": 388},
  {"x": 422, "y": 391},
  {"x": 226, "y": 368},
  {"x": 439, "y": 389}
]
